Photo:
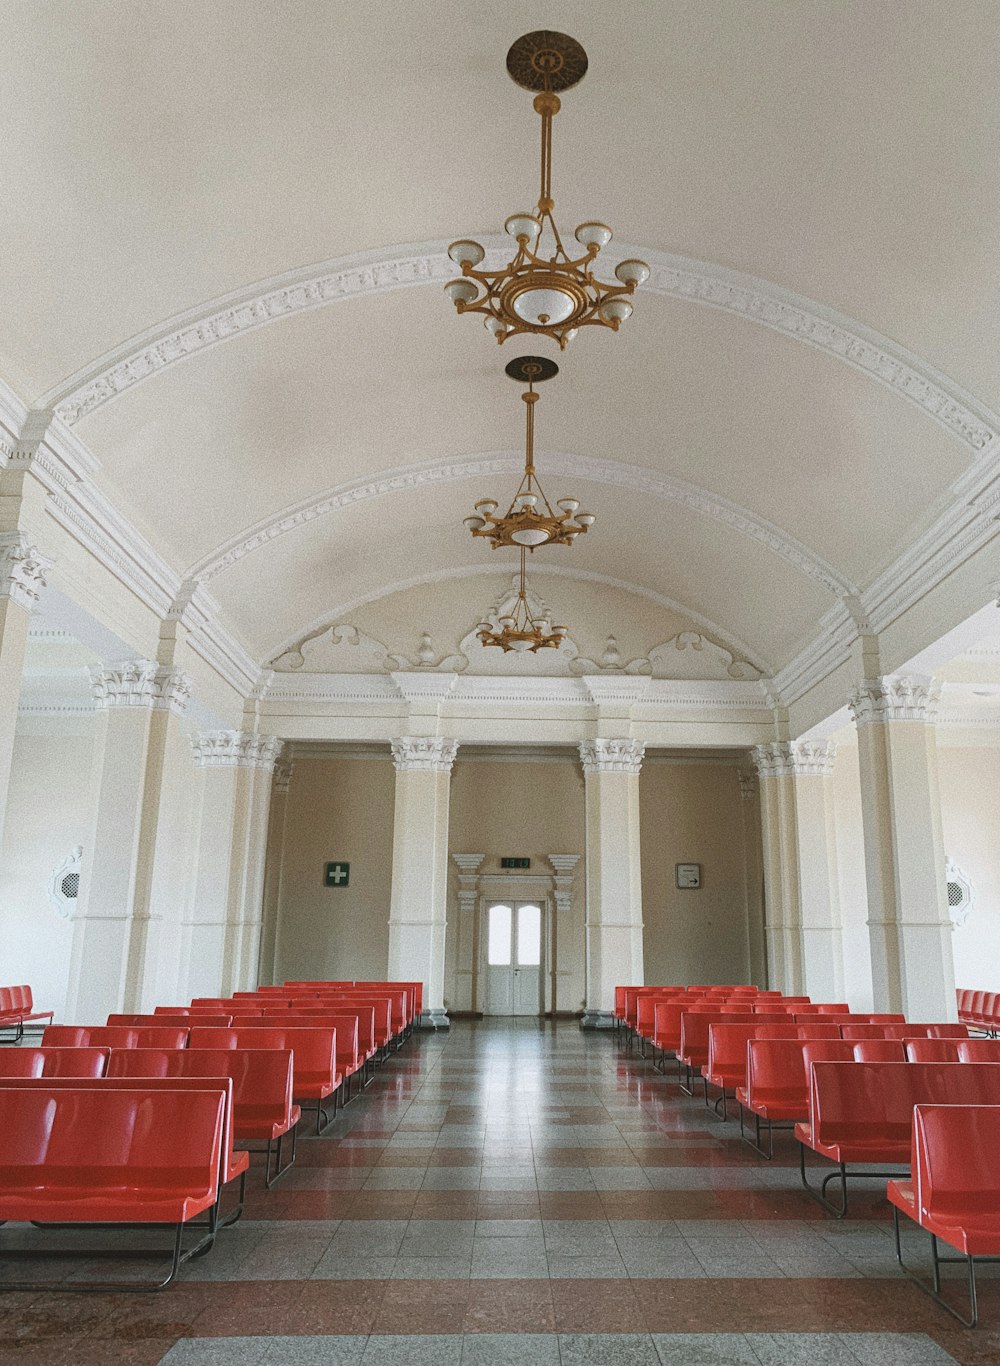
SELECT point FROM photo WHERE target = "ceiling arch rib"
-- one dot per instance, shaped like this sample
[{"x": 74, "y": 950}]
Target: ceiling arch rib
[
  {"x": 714, "y": 286},
  {"x": 629, "y": 477},
  {"x": 343, "y": 609}
]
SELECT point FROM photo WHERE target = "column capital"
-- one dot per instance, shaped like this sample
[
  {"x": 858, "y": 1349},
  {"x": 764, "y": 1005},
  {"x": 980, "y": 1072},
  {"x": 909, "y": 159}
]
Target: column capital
[
  {"x": 22, "y": 570},
  {"x": 423, "y": 753},
  {"x": 794, "y": 759},
  {"x": 141, "y": 683},
  {"x": 564, "y": 864},
  {"x": 235, "y": 749},
  {"x": 467, "y": 864},
  {"x": 611, "y": 756},
  {"x": 894, "y": 698}
]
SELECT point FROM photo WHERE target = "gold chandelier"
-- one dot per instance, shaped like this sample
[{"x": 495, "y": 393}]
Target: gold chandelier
[
  {"x": 556, "y": 294},
  {"x": 530, "y": 520},
  {"x": 518, "y": 629}
]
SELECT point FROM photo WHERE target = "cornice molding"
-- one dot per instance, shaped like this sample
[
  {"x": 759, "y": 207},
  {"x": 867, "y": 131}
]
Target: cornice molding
[
  {"x": 895, "y": 698},
  {"x": 399, "y": 267},
  {"x": 423, "y": 753},
  {"x": 792, "y": 759},
  {"x": 611, "y": 756},
  {"x": 141, "y": 683},
  {"x": 235, "y": 749},
  {"x": 634, "y": 478},
  {"x": 23, "y": 570}
]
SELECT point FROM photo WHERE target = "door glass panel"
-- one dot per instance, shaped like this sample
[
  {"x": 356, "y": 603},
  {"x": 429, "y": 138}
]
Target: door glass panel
[
  {"x": 499, "y": 936},
  {"x": 529, "y": 936}
]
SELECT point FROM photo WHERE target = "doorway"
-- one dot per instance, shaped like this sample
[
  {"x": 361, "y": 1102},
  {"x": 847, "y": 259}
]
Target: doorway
[{"x": 514, "y": 958}]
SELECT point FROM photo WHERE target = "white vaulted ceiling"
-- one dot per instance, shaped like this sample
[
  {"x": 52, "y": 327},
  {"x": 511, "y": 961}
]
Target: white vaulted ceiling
[{"x": 224, "y": 229}]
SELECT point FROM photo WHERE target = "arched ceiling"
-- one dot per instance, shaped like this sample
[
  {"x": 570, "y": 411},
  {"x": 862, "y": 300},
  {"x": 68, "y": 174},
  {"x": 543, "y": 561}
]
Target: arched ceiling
[{"x": 162, "y": 159}]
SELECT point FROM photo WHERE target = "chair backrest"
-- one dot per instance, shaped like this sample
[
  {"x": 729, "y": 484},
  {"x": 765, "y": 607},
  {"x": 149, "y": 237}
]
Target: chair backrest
[
  {"x": 53, "y": 1062},
  {"x": 776, "y": 1072},
  {"x": 933, "y": 1050},
  {"x": 817, "y": 1029},
  {"x": 667, "y": 1024},
  {"x": 955, "y": 1171},
  {"x": 695, "y": 1025},
  {"x": 173, "y": 1137},
  {"x": 838, "y": 1008},
  {"x": 865, "y": 1100},
  {"x": 879, "y": 1050},
  {"x": 314, "y": 1048},
  {"x": 978, "y": 1050},
  {"x": 89, "y": 1036},
  {"x": 261, "y": 1078},
  {"x": 865, "y": 1031}
]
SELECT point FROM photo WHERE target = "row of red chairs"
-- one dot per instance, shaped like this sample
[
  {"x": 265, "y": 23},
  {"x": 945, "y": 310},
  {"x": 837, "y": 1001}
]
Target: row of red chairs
[
  {"x": 980, "y": 1009},
  {"x": 17, "y": 1008}
]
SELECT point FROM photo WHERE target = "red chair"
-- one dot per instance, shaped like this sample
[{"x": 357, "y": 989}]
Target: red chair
[
  {"x": 87, "y": 1155},
  {"x": 89, "y": 1036},
  {"x": 314, "y": 1065},
  {"x": 978, "y": 1050},
  {"x": 954, "y": 1191},
  {"x": 692, "y": 1054},
  {"x": 263, "y": 1110},
  {"x": 862, "y": 1112},
  {"x": 935, "y": 1050},
  {"x": 17, "y": 1008},
  {"x": 53, "y": 1062},
  {"x": 776, "y": 1089},
  {"x": 880, "y": 1050}
]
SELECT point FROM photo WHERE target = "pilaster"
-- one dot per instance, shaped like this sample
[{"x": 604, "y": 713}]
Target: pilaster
[
  {"x": 23, "y": 571},
  {"x": 753, "y": 877},
  {"x": 419, "y": 898},
  {"x": 465, "y": 948},
  {"x": 614, "y": 954},
  {"x": 908, "y": 921}
]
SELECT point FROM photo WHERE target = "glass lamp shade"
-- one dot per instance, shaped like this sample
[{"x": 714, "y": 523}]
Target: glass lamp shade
[
  {"x": 506, "y": 622},
  {"x": 466, "y": 251},
  {"x": 461, "y": 291},
  {"x": 495, "y": 327},
  {"x": 528, "y": 500},
  {"x": 586, "y": 518},
  {"x": 484, "y": 628},
  {"x": 545, "y": 627},
  {"x": 486, "y": 506},
  {"x": 570, "y": 333},
  {"x": 568, "y": 504},
  {"x": 616, "y": 310},
  {"x": 594, "y": 234},
  {"x": 521, "y": 646},
  {"x": 474, "y": 523},
  {"x": 523, "y": 225},
  {"x": 544, "y": 306},
  {"x": 632, "y": 272},
  {"x": 530, "y": 536}
]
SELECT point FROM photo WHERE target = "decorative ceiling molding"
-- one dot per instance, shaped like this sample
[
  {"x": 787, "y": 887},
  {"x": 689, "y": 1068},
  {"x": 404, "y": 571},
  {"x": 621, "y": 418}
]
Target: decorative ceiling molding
[
  {"x": 345, "y": 609},
  {"x": 610, "y": 472},
  {"x": 400, "y": 267}
]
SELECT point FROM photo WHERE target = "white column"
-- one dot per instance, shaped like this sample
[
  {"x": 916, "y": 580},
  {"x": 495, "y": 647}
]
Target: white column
[
  {"x": 419, "y": 902},
  {"x": 909, "y": 925},
  {"x": 273, "y": 869},
  {"x": 614, "y": 875},
  {"x": 816, "y": 870},
  {"x": 22, "y": 580},
  {"x": 564, "y": 866},
  {"x": 782, "y": 927},
  {"x": 113, "y": 963},
  {"x": 753, "y": 880},
  {"x": 465, "y": 940},
  {"x": 254, "y": 757}
]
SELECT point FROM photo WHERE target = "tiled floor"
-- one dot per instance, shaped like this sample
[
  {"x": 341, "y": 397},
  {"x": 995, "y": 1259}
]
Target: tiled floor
[{"x": 526, "y": 1195}]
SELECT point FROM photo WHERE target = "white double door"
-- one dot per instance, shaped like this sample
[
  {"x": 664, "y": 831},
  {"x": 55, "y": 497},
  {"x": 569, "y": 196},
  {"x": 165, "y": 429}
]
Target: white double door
[{"x": 513, "y": 958}]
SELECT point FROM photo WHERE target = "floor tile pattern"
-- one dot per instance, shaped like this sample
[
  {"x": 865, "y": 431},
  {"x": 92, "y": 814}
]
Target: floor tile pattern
[{"x": 522, "y": 1193}]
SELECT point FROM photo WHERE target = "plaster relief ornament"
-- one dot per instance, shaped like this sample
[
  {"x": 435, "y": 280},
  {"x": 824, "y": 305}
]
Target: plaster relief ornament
[
  {"x": 687, "y": 655},
  {"x": 429, "y": 660},
  {"x": 336, "y": 650}
]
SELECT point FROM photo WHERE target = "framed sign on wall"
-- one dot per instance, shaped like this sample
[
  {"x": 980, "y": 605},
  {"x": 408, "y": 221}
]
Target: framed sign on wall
[
  {"x": 688, "y": 875},
  {"x": 337, "y": 875}
]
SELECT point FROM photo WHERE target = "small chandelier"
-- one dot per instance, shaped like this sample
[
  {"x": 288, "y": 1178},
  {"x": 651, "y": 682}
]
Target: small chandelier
[
  {"x": 519, "y": 630},
  {"x": 556, "y": 294},
  {"x": 530, "y": 521}
]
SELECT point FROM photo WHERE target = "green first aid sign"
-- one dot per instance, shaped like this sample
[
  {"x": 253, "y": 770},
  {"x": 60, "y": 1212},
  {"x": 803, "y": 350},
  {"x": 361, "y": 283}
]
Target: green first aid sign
[{"x": 337, "y": 875}]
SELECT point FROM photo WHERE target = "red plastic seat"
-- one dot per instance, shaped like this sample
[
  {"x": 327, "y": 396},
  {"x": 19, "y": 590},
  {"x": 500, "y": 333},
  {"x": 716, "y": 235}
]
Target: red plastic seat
[
  {"x": 86, "y": 1154},
  {"x": 17, "y": 1008},
  {"x": 315, "y": 1075},
  {"x": 776, "y": 1089},
  {"x": 935, "y": 1050},
  {"x": 89, "y": 1036},
  {"x": 53, "y": 1062},
  {"x": 880, "y": 1050},
  {"x": 978, "y": 1050},
  {"x": 954, "y": 1190}
]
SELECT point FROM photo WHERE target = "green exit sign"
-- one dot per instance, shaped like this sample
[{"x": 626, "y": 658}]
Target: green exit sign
[
  {"x": 337, "y": 875},
  {"x": 515, "y": 863}
]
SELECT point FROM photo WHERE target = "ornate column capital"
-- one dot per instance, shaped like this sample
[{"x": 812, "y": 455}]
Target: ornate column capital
[
  {"x": 611, "y": 756},
  {"x": 22, "y": 570},
  {"x": 423, "y": 753},
  {"x": 894, "y": 698},
  {"x": 793, "y": 759},
  {"x": 467, "y": 864},
  {"x": 141, "y": 683},
  {"x": 235, "y": 749},
  {"x": 565, "y": 866}
]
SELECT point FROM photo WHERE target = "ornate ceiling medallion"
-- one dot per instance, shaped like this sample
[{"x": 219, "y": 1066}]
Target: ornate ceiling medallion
[
  {"x": 552, "y": 294},
  {"x": 530, "y": 520},
  {"x": 518, "y": 629}
]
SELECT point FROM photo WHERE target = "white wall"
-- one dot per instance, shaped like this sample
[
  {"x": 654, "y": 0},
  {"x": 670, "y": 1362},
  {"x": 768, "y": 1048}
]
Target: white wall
[
  {"x": 46, "y": 818},
  {"x": 969, "y": 779}
]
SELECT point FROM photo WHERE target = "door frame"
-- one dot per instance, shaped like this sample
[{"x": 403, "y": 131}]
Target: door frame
[{"x": 510, "y": 889}]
